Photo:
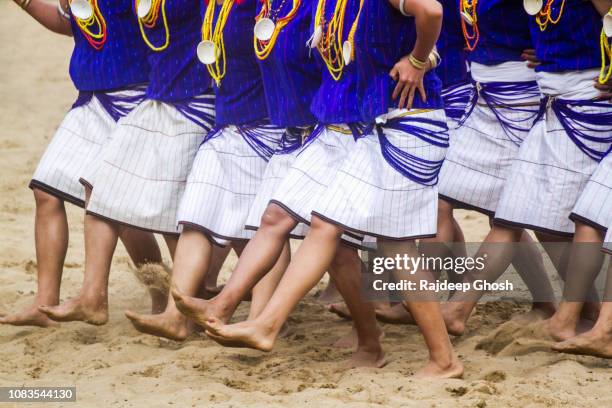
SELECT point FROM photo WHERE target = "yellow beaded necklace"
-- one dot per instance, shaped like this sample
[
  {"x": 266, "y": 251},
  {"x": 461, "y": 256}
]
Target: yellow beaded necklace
[
  {"x": 469, "y": 17},
  {"x": 606, "y": 59},
  {"x": 148, "y": 14},
  {"x": 266, "y": 31},
  {"x": 335, "y": 53},
  {"x": 211, "y": 51},
  {"x": 87, "y": 15},
  {"x": 545, "y": 15}
]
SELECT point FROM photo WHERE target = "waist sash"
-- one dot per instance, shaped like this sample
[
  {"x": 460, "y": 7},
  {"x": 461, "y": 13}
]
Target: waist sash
[
  {"x": 514, "y": 97},
  {"x": 116, "y": 103},
  {"x": 261, "y": 136},
  {"x": 415, "y": 168},
  {"x": 590, "y": 131}
]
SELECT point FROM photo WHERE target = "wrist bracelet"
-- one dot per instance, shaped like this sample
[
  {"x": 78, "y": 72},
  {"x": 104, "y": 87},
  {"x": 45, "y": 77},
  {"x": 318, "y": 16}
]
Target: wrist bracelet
[
  {"x": 417, "y": 63},
  {"x": 434, "y": 59},
  {"x": 62, "y": 12},
  {"x": 24, "y": 4},
  {"x": 401, "y": 8}
]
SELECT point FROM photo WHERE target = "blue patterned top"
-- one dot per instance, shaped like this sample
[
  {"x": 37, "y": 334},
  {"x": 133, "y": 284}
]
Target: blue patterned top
[
  {"x": 291, "y": 75},
  {"x": 364, "y": 92},
  {"x": 573, "y": 43},
  {"x": 451, "y": 47},
  {"x": 240, "y": 98},
  {"x": 176, "y": 72},
  {"x": 504, "y": 32},
  {"x": 121, "y": 62}
]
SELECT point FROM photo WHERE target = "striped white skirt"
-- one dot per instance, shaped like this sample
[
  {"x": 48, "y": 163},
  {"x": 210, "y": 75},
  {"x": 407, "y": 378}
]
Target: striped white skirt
[
  {"x": 480, "y": 155},
  {"x": 553, "y": 167},
  {"x": 74, "y": 149},
  {"x": 386, "y": 184},
  {"x": 594, "y": 207},
  {"x": 277, "y": 169},
  {"x": 225, "y": 179},
  {"x": 145, "y": 166}
]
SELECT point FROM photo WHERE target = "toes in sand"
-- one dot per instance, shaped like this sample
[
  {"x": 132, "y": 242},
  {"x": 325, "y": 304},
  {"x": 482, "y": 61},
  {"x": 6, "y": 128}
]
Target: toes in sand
[
  {"x": 30, "y": 316},
  {"x": 76, "y": 309},
  {"x": 247, "y": 334},
  {"x": 160, "y": 325},
  {"x": 590, "y": 343}
]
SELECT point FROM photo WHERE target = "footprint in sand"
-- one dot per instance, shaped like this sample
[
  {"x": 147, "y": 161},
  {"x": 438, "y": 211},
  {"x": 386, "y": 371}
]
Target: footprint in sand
[{"x": 516, "y": 338}]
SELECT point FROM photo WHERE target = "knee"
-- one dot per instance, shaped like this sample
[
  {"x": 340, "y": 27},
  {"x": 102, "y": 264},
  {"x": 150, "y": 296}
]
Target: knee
[
  {"x": 275, "y": 216},
  {"x": 587, "y": 233},
  {"x": 325, "y": 229},
  {"x": 503, "y": 233},
  {"x": 46, "y": 201}
]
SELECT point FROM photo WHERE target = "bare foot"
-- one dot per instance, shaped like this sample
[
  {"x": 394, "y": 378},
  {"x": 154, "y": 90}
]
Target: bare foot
[
  {"x": 340, "y": 310},
  {"x": 330, "y": 294},
  {"x": 200, "y": 310},
  {"x": 161, "y": 325},
  {"x": 250, "y": 334},
  {"x": 396, "y": 314},
  {"x": 351, "y": 340},
  {"x": 593, "y": 343},
  {"x": 454, "y": 369},
  {"x": 453, "y": 314},
  {"x": 367, "y": 358},
  {"x": 30, "y": 316},
  {"x": 559, "y": 330},
  {"x": 78, "y": 309}
]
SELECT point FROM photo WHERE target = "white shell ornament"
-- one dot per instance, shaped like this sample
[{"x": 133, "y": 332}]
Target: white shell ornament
[
  {"x": 144, "y": 7},
  {"x": 533, "y": 7},
  {"x": 264, "y": 29},
  {"x": 81, "y": 9},
  {"x": 467, "y": 18},
  {"x": 607, "y": 24},
  {"x": 347, "y": 52},
  {"x": 316, "y": 37},
  {"x": 207, "y": 52}
]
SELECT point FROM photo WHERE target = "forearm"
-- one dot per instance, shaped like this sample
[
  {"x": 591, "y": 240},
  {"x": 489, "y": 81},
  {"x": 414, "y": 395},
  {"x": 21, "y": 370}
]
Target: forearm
[
  {"x": 428, "y": 21},
  {"x": 47, "y": 14},
  {"x": 602, "y": 6}
]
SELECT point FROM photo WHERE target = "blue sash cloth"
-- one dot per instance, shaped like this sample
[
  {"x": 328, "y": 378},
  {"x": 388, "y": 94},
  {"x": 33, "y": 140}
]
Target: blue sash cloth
[
  {"x": 590, "y": 131},
  {"x": 260, "y": 136},
  {"x": 415, "y": 168},
  {"x": 116, "y": 103},
  {"x": 457, "y": 98},
  {"x": 200, "y": 109},
  {"x": 509, "y": 96}
]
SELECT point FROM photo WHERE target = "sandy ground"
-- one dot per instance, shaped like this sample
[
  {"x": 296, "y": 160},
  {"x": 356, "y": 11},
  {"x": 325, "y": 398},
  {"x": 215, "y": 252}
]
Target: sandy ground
[{"x": 506, "y": 364}]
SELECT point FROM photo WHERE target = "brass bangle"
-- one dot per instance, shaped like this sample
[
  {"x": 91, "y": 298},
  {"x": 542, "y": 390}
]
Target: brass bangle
[
  {"x": 24, "y": 4},
  {"x": 434, "y": 60},
  {"x": 417, "y": 63}
]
